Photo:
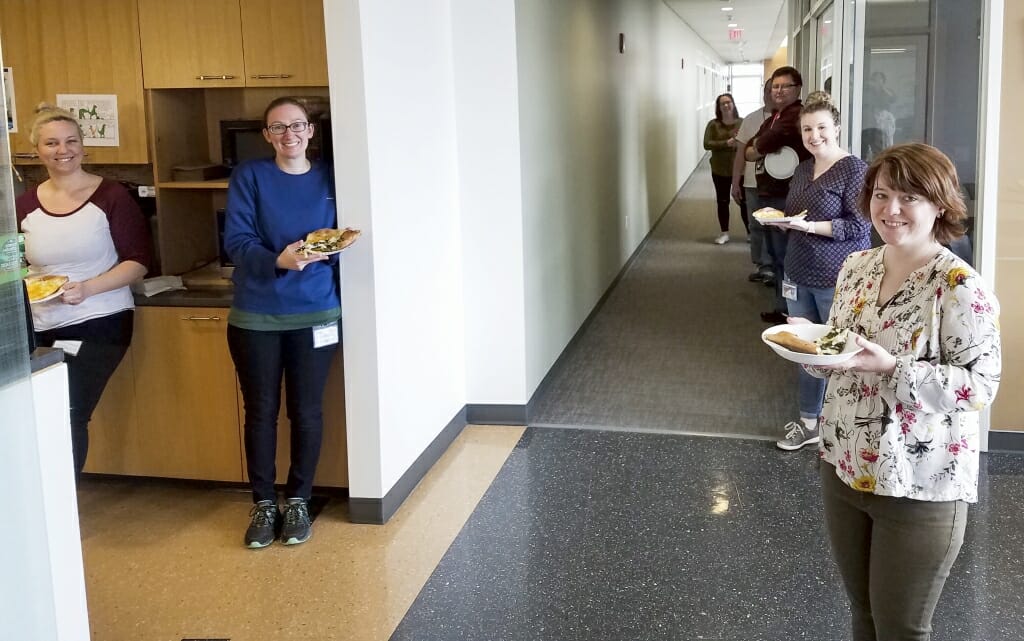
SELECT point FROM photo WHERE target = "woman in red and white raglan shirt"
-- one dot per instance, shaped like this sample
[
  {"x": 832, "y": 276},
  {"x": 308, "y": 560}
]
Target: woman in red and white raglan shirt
[{"x": 89, "y": 229}]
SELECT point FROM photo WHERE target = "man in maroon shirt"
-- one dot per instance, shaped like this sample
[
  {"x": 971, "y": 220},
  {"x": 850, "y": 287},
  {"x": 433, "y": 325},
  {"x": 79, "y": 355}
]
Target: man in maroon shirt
[{"x": 781, "y": 130}]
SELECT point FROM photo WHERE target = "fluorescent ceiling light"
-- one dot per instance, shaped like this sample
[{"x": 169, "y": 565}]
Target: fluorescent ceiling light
[
  {"x": 893, "y": 50},
  {"x": 733, "y": 24},
  {"x": 726, "y": 8}
]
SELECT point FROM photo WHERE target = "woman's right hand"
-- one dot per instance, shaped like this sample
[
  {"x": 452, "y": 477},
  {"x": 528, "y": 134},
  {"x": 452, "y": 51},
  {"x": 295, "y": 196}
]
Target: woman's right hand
[{"x": 291, "y": 259}]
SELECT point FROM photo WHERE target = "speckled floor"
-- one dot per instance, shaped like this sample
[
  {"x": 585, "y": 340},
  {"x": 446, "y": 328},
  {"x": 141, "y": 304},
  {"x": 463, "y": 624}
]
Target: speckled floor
[
  {"x": 611, "y": 536},
  {"x": 165, "y": 562}
]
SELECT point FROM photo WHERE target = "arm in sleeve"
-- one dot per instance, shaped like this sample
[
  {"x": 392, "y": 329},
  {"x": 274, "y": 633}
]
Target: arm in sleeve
[
  {"x": 128, "y": 229},
  {"x": 851, "y": 223},
  {"x": 785, "y": 130},
  {"x": 712, "y": 143},
  {"x": 241, "y": 231},
  {"x": 967, "y": 376}
]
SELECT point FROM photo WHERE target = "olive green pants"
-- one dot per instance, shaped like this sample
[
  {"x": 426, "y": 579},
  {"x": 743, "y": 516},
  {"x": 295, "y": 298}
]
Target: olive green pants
[{"x": 894, "y": 555}]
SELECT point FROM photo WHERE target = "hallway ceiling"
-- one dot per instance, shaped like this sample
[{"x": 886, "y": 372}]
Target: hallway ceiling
[{"x": 763, "y": 23}]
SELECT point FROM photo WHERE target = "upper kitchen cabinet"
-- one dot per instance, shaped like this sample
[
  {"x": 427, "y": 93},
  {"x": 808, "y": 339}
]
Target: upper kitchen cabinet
[
  {"x": 284, "y": 43},
  {"x": 191, "y": 43},
  {"x": 232, "y": 43},
  {"x": 60, "y": 47}
]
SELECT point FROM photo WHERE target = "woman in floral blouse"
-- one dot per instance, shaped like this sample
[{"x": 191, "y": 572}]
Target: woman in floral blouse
[{"x": 900, "y": 422}]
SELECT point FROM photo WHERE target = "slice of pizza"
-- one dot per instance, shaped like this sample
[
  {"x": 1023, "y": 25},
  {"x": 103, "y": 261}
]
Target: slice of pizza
[
  {"x": 324, "y": 241},
  {"x": 40, "y": 287}
]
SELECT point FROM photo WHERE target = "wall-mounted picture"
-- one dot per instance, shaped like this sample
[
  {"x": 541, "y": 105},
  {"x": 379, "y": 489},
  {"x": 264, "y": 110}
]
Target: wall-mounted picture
[{"x": 97, "y": 115}]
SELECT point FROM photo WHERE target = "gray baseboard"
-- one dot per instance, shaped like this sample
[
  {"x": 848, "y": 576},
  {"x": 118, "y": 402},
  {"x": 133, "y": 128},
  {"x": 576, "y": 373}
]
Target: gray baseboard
[
  {"x": 496, "y": 414},
  {"x": 379, "y": 511},
  {"x": 1006, "y": 441}
]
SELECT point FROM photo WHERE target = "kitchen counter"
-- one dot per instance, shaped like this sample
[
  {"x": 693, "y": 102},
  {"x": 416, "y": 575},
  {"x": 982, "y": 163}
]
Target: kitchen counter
[{"x": 187, "y": 298}]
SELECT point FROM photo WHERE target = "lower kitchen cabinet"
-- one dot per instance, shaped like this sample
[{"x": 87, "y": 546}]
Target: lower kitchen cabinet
[
  {"x": 173, "y": 408},
  {"x": 185, "y": 419}
]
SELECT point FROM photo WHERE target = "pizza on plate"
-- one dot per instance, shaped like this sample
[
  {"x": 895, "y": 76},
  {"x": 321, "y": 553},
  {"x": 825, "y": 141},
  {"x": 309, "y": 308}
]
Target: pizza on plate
[
  {"x": 324, "y": 241},
  {"x": 40, "y": 287}
]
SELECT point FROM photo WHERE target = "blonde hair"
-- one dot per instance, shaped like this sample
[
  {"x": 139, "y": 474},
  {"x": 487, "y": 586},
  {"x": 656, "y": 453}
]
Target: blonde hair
[
  {"x": 47, "y": 113},
  {"x": 820, "y": 101}
]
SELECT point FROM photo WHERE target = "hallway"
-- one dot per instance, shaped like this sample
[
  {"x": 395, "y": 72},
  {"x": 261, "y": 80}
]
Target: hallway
[
  {"x": 643, "y": 531},
  {"x": 676, "y": 345}
]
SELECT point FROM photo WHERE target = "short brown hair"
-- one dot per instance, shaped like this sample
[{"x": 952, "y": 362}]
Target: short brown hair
[{"x": 922, "y": 170}]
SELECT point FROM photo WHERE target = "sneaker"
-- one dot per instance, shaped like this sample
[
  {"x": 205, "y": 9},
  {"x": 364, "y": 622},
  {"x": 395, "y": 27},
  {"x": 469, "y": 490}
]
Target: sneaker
[
  {"x": 297, "y": 526},
  {"x": 265, "y": 525},
  {"x": 723, "y": 239},
  {"x": 797, "y": 435}
]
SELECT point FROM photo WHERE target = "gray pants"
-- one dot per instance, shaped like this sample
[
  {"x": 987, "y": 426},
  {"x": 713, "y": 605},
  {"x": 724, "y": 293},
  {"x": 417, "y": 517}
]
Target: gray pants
[{"x": 894, "y": 555}]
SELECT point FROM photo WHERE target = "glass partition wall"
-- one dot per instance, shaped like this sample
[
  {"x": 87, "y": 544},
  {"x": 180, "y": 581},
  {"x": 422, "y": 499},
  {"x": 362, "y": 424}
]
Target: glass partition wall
[{"x": 904, "y": 71}]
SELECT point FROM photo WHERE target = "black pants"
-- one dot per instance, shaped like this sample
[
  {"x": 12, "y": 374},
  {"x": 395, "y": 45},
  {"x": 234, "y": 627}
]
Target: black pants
[
  {"x": 723, "y": 196},
  {"x": 104, "y": 343},
  {"x": 261, "y": 360}
]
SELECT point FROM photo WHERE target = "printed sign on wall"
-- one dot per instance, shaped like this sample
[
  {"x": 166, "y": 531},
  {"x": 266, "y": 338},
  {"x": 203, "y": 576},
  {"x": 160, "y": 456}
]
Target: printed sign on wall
[
  {"x": 12, "y": 114},
  {"x": 96, "y": 114}
]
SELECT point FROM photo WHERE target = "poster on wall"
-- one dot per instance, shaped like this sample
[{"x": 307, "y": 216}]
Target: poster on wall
[
  {"x": 96, "y": 114},
  {"x": 12, "y": 115}
]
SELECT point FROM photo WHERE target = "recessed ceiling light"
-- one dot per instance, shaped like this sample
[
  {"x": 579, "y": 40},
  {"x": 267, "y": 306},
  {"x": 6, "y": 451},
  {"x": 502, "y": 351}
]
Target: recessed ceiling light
[
  {"x": 733, "y": 24},
  {"x": 726, "y": 8}
]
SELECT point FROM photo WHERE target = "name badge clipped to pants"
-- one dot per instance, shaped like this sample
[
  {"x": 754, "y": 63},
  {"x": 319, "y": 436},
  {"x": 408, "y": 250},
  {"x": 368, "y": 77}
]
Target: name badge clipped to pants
[
  {"x": 324, "y": 335},
  {"x": 788, "y": 289}
]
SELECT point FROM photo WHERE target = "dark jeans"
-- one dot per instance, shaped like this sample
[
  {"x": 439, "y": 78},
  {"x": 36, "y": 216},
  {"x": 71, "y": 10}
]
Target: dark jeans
[
  {"x": 723, "y": 196},
  {"x": 757, "y": 232},
  {"x": 104, "y": 343},
  {"x": 776, "y": 240},
  {"x": 894, "y": 555},
  {"x": 262, "y": 359}
]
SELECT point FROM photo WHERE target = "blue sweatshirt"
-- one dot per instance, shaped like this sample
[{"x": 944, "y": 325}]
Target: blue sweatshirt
[{"x": 267, "y": 210}]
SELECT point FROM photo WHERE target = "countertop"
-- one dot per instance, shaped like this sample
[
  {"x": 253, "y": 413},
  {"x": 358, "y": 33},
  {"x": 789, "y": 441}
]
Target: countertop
[
  {"x": 43, "y": 357},
  {"x": 187, "y": 298}
]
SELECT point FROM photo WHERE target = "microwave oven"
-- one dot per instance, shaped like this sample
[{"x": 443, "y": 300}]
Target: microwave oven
[{"x": 242, "y": 140}]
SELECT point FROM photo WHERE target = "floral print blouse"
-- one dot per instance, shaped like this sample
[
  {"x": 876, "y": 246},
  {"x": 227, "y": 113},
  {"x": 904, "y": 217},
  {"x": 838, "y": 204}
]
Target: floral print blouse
[{"x": 915, "y": 433}]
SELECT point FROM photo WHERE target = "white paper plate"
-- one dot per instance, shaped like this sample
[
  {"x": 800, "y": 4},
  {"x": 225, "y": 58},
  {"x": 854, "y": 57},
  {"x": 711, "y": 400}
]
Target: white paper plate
[
  {"x": 782, "y": 163},
  {"x": 809, "y": 332}
]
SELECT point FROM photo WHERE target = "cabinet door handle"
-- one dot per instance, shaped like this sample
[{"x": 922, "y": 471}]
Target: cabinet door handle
[
  {"x": 27, "y": 155},
  {"x": 201, "y": 318},
  {"x": 270, "y": 76},
  {"x": 221, "y": 77}
]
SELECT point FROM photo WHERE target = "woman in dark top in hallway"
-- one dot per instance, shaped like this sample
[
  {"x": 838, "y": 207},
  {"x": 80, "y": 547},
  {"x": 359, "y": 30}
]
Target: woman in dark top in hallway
[
  {"x": 720, "y": 139},
  {"x": 284, "y": 319},
  {"x": 827, "y": 187}
]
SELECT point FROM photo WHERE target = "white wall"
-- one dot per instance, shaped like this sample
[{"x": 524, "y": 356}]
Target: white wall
[
  {"x": 607, "y": 139},
  {"x": 392, "y": 93},
  {"x": 504, "y": 161},
  {"x": 487, "y": 123}
]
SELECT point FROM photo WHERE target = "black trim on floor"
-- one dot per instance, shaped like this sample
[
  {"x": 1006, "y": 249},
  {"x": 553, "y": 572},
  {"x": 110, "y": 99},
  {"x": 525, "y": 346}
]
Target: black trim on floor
[
  {"x": 496, "y": 414},
  {"x": 1006, "y": 441},
  {"x": 378, "y": 511}
]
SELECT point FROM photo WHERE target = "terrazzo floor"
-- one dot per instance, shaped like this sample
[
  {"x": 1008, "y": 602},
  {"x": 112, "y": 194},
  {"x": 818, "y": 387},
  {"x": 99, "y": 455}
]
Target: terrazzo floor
[{"x": 612, "y": 536}]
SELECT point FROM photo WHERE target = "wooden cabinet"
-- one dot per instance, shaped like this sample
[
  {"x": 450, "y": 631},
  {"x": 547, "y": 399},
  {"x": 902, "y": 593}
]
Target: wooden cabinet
[
  {"x": 59, "y": 47},
  {"x": 232, "y": 43},
  {"x": 173, "y": 408},
  {"x": 284, "y": 43},
  {"x": 185, "y": 409}
]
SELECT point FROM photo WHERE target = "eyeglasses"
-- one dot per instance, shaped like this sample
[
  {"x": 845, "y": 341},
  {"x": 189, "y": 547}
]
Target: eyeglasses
[
  {"x": 296, "y": 127},
  {"x": 783, "y": 87}
]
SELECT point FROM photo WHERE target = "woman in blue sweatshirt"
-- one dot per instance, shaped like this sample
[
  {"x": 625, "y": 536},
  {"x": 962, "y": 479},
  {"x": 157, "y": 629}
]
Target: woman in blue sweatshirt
[{"x": 283, "y": 322}]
